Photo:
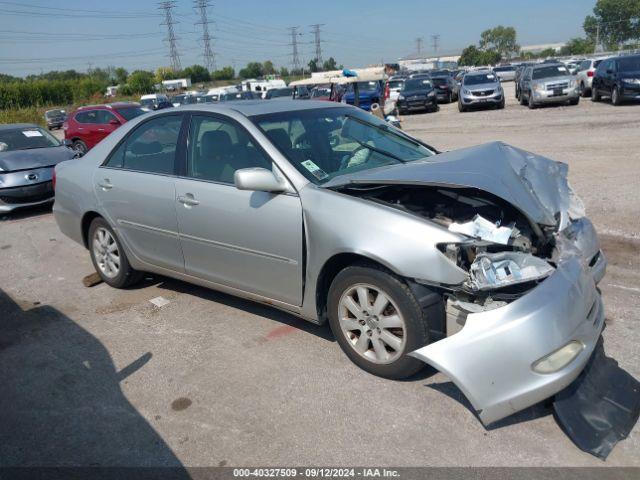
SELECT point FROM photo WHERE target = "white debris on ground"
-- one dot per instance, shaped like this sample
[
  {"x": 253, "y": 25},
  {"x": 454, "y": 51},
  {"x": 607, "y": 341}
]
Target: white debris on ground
[{"x": 160, "y": 301}]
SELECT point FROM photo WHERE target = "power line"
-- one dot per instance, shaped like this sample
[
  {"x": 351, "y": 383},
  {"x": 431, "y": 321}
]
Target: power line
[
  {"x": 174, "y": 57},
  {"x": 295, "y": 59},
  {"x": 208, "y": 55},
  {"x": 419, "y": 41},
  {"x": 317, "y": 41}
]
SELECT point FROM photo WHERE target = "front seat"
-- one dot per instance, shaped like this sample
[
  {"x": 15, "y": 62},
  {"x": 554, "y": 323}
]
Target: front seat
[{"x": 216, "y": 152}]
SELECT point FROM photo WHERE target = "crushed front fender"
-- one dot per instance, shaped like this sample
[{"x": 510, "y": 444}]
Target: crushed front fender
[{"x": 491, "y": 359}]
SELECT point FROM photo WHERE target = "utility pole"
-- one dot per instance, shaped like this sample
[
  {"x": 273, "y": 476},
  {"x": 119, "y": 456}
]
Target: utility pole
[
  {"x": 171, "y": 38},
  {"x": 295, "y": 59},
  {"x": 316, "y": 34},
  {"x": 419, "y": 41},
  {"x": 435, "y": 43},
  {"x": 207, "y": 54},
  {"x": 596, "y": 47}
]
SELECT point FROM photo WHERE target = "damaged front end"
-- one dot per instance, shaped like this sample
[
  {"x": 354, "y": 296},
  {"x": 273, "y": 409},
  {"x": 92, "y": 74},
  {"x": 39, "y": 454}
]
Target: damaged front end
[{"x": 523, "y": 324}]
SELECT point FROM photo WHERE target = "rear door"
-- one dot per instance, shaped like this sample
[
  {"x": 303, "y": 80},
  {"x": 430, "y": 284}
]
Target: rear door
[
  {"x": 136, "y": 191},
  {"x": 103, "y": 126},
  {"x": 247, "y": 240}
]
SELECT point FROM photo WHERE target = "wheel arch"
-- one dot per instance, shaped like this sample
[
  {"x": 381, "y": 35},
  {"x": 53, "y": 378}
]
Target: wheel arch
[{"x": 85, "y": 223}]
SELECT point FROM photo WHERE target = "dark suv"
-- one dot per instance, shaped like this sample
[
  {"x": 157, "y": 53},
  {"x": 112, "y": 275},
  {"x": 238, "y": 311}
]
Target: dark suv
[
  {"x": 617, "y": 78},
  {"x": 88, "y": 125}
]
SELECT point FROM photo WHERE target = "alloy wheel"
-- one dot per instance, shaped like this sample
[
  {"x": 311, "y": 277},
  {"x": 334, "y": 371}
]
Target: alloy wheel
[
  {"x": 372, "y": 323},
  {"x": 106, "y": 253}
]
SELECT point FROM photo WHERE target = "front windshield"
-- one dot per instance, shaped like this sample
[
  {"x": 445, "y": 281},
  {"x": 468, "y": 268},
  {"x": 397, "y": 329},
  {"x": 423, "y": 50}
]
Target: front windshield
[
  {"x": 629, "y": 64},
  {"x": 396, "y": 83},
  {"x": 54, "y": 113},
  {"x": 416, "y": 84},
  {"x": 550, "y": 72},
  {"x": 326, "y": 143},
  {"x": 130, "y": 112},
  {"x": 147, "y": 102},
  {"x": 26, "y": 139},
  {"x": 479, "y": 79}
]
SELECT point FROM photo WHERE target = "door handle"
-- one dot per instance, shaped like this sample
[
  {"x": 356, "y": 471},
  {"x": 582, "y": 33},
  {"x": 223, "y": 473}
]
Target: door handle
[
  {"x": 188, "y": 200},
  {"x": 105, "y": 185}
]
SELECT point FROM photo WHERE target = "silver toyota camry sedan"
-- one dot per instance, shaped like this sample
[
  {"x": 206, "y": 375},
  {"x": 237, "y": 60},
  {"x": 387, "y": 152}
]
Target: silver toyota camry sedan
[{"x": 479, "y": 262}]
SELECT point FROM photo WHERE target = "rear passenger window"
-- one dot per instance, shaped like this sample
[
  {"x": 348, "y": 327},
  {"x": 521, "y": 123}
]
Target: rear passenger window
[
  {"x": 150, "y": 148},
  {"x": 90, "y": 116}
]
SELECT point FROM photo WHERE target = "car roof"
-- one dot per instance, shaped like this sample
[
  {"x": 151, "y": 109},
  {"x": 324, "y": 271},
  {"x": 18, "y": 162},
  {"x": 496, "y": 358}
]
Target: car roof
[
  {"x": 17, "y": 126},
  {"x": 108, "y": 106},
  {"x": 249, "y": 108}
]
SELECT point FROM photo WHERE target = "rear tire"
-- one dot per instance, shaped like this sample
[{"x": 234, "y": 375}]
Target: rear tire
[
  {"x": 595, "y": 94},
  {"x": 108, "y": 256},
  {"x": 574, "y": 101},
  {"x": 377, "y": 321}
]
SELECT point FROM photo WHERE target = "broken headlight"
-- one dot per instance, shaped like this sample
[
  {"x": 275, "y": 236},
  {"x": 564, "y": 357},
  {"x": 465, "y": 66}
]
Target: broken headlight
[{"x": 496, "y": 270}]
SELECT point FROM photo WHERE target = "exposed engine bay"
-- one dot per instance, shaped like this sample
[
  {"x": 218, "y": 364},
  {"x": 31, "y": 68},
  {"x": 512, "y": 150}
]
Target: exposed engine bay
[{"x": 505, "y": 255}]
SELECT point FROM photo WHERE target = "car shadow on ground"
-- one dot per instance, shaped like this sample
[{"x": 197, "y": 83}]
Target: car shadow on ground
[
  {"x": 538, "y": 410},
  {"x": 255, "y": 308},
  {"x": 25, "y": 213},
  {"x": 61, "y": 403}
]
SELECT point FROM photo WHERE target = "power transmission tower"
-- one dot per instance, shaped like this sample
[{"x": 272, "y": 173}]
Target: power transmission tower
[
  {"x": 435, "y": 42},
  {"x": 295, "y": 58},
  {"x": 316, "y": 34},
  {"x": 419, "y": 41},
  {"x": 207, "y": 54},
  {"x": 171, "y": 38}
]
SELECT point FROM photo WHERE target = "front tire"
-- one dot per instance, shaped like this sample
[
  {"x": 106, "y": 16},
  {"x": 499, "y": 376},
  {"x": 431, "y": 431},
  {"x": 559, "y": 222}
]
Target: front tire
[
  {"x": 461, "y": 107},
  {"x": 574, "y": 101},
  {"x": 80, "y": 147},
  {"x": 377, "y": 321},
  {"x": 532, "y": 104},
  {"x": 108, "y": 256},
  {"x": 615, "y": 97}
]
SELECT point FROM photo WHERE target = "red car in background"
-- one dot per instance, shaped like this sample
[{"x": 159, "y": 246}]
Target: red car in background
[{"x": 88, "y": 125}]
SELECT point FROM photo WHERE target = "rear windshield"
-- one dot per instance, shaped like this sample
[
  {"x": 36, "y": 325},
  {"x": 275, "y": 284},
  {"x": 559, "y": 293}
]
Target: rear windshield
[
  {"x": 280, "y": 92},
  {"x": 629, "y": 64},
  {"x": 479, "y": 79},
  {"x": 417, "y": 84},
  {"x": 549, "y": 72},
  {"x": 504, "y": 69},
  {"x": 26, "y": 139},
  {"x": 364, "y": 86},
  {"x": 130, "y": 112},
  {"x": 439, "y": 81},
  {"x": 396, "y": 83}
]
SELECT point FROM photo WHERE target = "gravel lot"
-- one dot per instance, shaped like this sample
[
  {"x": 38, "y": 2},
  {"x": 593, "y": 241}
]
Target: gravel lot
[{"x": 97, "y": 376}]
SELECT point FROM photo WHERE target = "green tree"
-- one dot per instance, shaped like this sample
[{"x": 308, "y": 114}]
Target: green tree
[
  {"x": 500, "y": 39},
  {"x": 197, "y": 73},
  {"x": 268, "y": 68},
  {"x": 252, "y": 70},
  {"x": 284, "y": 72},
  {"x": 547, "y": 53},
  {"x": 313, "y": 65},
  {"x": 4, "y": 78},
  {"x": 618, "y": 22},
  {"x": 141, "y": 81},
  {"x": 578, "y": 46},
  {"x": 470, "y": 57},
  {"x": 225, "y": 73},
  {"x": 120, "y": 75},
  {"x": 330, "y": 64}
]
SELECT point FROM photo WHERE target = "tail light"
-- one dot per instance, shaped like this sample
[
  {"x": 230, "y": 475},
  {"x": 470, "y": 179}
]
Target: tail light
[
  {"x": 590, "y": 73},
  {"x": 387, "y": 91},
  {"x": 53, "y": 179},
  {"x": 65, "y": 126}
]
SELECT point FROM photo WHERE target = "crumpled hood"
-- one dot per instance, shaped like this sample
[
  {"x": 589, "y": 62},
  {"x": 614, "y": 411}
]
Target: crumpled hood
[
  {"x": 34, "y": 158},
  {"x": 536, "y": 185}
]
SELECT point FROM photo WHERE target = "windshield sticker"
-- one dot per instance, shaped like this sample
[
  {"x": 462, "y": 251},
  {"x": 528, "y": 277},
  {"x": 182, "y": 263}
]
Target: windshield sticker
[
  {"x": 31, "y": 133},
  {"x": 315, "y": 170}
]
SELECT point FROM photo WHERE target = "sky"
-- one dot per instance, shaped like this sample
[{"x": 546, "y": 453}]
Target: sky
[{"x": 39, "y": 35}]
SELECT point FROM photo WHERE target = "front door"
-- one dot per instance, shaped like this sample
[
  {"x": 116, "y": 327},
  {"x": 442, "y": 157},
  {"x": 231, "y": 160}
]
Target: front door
[
  {"x": 247, "y": 240},
  {"x": 136, "y": 191}
]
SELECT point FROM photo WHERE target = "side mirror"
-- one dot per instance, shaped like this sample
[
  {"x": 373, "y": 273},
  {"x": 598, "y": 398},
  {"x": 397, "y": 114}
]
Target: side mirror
[
  {"x": 258, "y": 179},
  {"x": 114, "y": 121}
]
